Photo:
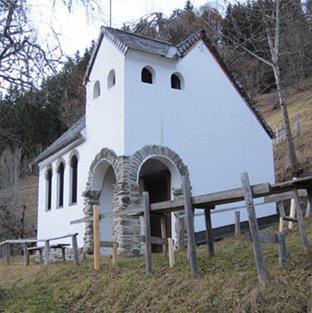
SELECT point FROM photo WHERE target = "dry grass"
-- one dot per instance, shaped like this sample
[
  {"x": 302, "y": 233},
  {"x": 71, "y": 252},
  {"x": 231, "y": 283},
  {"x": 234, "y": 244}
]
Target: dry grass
[
  {"x": 228, "y": 283},
  {"x": 299, "y": 102}
]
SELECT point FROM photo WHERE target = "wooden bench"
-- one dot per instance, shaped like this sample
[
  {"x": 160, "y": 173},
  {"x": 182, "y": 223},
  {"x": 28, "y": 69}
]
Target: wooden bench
[{"x": 41, "y": 248}]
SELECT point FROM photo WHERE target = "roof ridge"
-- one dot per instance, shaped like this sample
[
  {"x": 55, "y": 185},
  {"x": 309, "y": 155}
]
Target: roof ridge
[{"x": 139, "y": 35}]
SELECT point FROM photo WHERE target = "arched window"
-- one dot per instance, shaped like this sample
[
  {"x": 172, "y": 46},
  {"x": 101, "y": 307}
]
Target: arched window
[
  {"x": 96, "y": 89},
  {"x": 48, "y": 189},
  {"x": 60, "y": 185},
  {"x": 73, "y": 179},
  {"x": 147, "y": 75},
  {"x": 111, "y": 80},
  {"x": 176, "y": 81}
]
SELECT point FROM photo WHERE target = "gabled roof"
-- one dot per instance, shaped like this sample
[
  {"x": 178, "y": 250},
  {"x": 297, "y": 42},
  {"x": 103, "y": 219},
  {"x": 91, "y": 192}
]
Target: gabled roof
[
  {"x": 125, "y": 40},
  {"x": 72, "y": 134}
]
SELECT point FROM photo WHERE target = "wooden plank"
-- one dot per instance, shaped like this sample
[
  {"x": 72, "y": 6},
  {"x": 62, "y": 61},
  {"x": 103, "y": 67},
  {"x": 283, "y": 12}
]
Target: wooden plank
[
  {"x": 283, "y": 196},
  {"x": 96, "y": 237},
  {"x": 171, "y": 253},
  {"x": 189, "y": 220},
  {"x": 46, "y": 252},
  {"x": 209, "y": 232},
  {"x": 290, "y": 219},
  {"x": 302, "y": 228},
  {"x": 63, "y": 254},
  {"x": 147, "y": 233},
  {"x": 281, "y": 249},
  {"x": 237, "y": 231},
  {"x": 202, "y": 201},
  {"x": 163, "y": 234},
  {"x": 114, "y": 253},
  {"x": 298, "y": 183},
  {"x": 81, "y": 220},
  {"x": 154, "y": 240},
  {"x": 26, "y": 255},
  {"x": 75, "y": 248},
  {"x": 254, "y": 228}
]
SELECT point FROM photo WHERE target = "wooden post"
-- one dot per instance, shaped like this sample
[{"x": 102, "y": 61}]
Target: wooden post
[
  {"x": 180, "y": 230},
  {"x": 147, "y": 233},
  {"x": 281, "y": 210},
  {"x": 26, "y": 254},
  {"x": 237, "y": 224},
  {"x": 292, "y": 213},
  {"x": 253, "y": 227},
  {"x": 7, "y": 253},
  {"x": 209, "y": 233},
  {"x": 309, "y": 205},
  {"x": 163, "y": 234},
  {"x": 114, "y": 253},
  {"x": 96, "y": 237},
  {"x": 46, "y": 252},
  {"x": 302, "y": 229},
  {"x": 63, "y": 255},
  {"x": 171, "y": 253},
  {"x": 189, "y": 220},
  {"x": 75, "y": 249},
  {"x": 281, "y": 249},
  {"x": 40, "y": 256}
]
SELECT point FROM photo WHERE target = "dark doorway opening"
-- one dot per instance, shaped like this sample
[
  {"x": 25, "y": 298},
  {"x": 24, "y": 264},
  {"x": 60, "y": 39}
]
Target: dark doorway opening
[{"x": 155, "y": 178}]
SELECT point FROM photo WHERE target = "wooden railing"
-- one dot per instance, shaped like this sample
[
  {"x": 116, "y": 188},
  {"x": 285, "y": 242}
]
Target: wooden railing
[{"x": 6, "y": 245}]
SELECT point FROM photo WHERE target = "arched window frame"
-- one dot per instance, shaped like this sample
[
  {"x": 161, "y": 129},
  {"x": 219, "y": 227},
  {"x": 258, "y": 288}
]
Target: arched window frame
[
  {"x": 96, "y": 89},
  {"x": 111, "y": 79},
  {"x": 73, "y": 177},
  {"x": 148, "y": 70},
  {"x": 60, "y": 170},
  {"x": 177, "y": 78},
  {"x": 48, "y": 189}
]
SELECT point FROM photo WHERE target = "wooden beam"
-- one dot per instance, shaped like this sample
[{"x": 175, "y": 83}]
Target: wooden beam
[
  {"x": 253, "y": 227},
  {"x": 309, "y": 204},
  {"x": 114, "y": 253},
  {"x": 209, "y": 232},
  {"x": 281, "y": 210},
  {"x": 147, "y": 233},
  {"x": 189, "y": 220}
]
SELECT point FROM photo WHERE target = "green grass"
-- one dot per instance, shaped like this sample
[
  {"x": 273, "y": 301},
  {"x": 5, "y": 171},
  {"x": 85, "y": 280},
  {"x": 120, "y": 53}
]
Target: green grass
[{"x": 228, "y": 283}]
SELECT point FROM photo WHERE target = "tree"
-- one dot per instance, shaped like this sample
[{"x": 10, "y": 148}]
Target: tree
[
  {"x": 24, "y": 60},
  {"x": 262, "y": 37}
]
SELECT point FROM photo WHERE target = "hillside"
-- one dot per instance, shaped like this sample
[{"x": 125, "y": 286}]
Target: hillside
[
  {"x": 298, "y": 102},
  {"x": 228, "y": 283}
]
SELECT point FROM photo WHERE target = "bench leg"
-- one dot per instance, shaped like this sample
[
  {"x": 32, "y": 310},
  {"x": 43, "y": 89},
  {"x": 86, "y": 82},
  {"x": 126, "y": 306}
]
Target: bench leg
[{"x": 63, "y": 255}]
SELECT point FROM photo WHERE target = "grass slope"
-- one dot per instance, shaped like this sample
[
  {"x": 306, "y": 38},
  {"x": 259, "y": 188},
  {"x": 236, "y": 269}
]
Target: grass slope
[
  {"x": 298, "y": 102},
  {"x": 228, "y": 283}
]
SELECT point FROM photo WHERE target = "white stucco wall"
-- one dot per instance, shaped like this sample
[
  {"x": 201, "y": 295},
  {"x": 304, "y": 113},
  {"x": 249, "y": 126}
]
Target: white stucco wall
[{"x": 207, "y": 124}]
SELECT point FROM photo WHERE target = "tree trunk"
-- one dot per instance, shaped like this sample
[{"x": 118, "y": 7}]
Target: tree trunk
[{"x": 294, "y": 164}]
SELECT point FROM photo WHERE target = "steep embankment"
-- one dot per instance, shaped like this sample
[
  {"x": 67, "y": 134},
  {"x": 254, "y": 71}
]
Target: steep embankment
[
  {"x": 228, "y": 283},
  {"x": 298, "y": 102}
]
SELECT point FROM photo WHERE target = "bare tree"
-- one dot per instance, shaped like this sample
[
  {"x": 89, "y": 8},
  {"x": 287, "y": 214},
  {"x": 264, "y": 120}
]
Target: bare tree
[
  {"x": 24, "y": 59},
  {"x": 267, "y": 35}
]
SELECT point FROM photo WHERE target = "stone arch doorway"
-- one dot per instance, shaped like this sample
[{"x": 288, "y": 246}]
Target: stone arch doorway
[
  {"x": 104, "y": 179},
  {"x": 159, "y": 176}
]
